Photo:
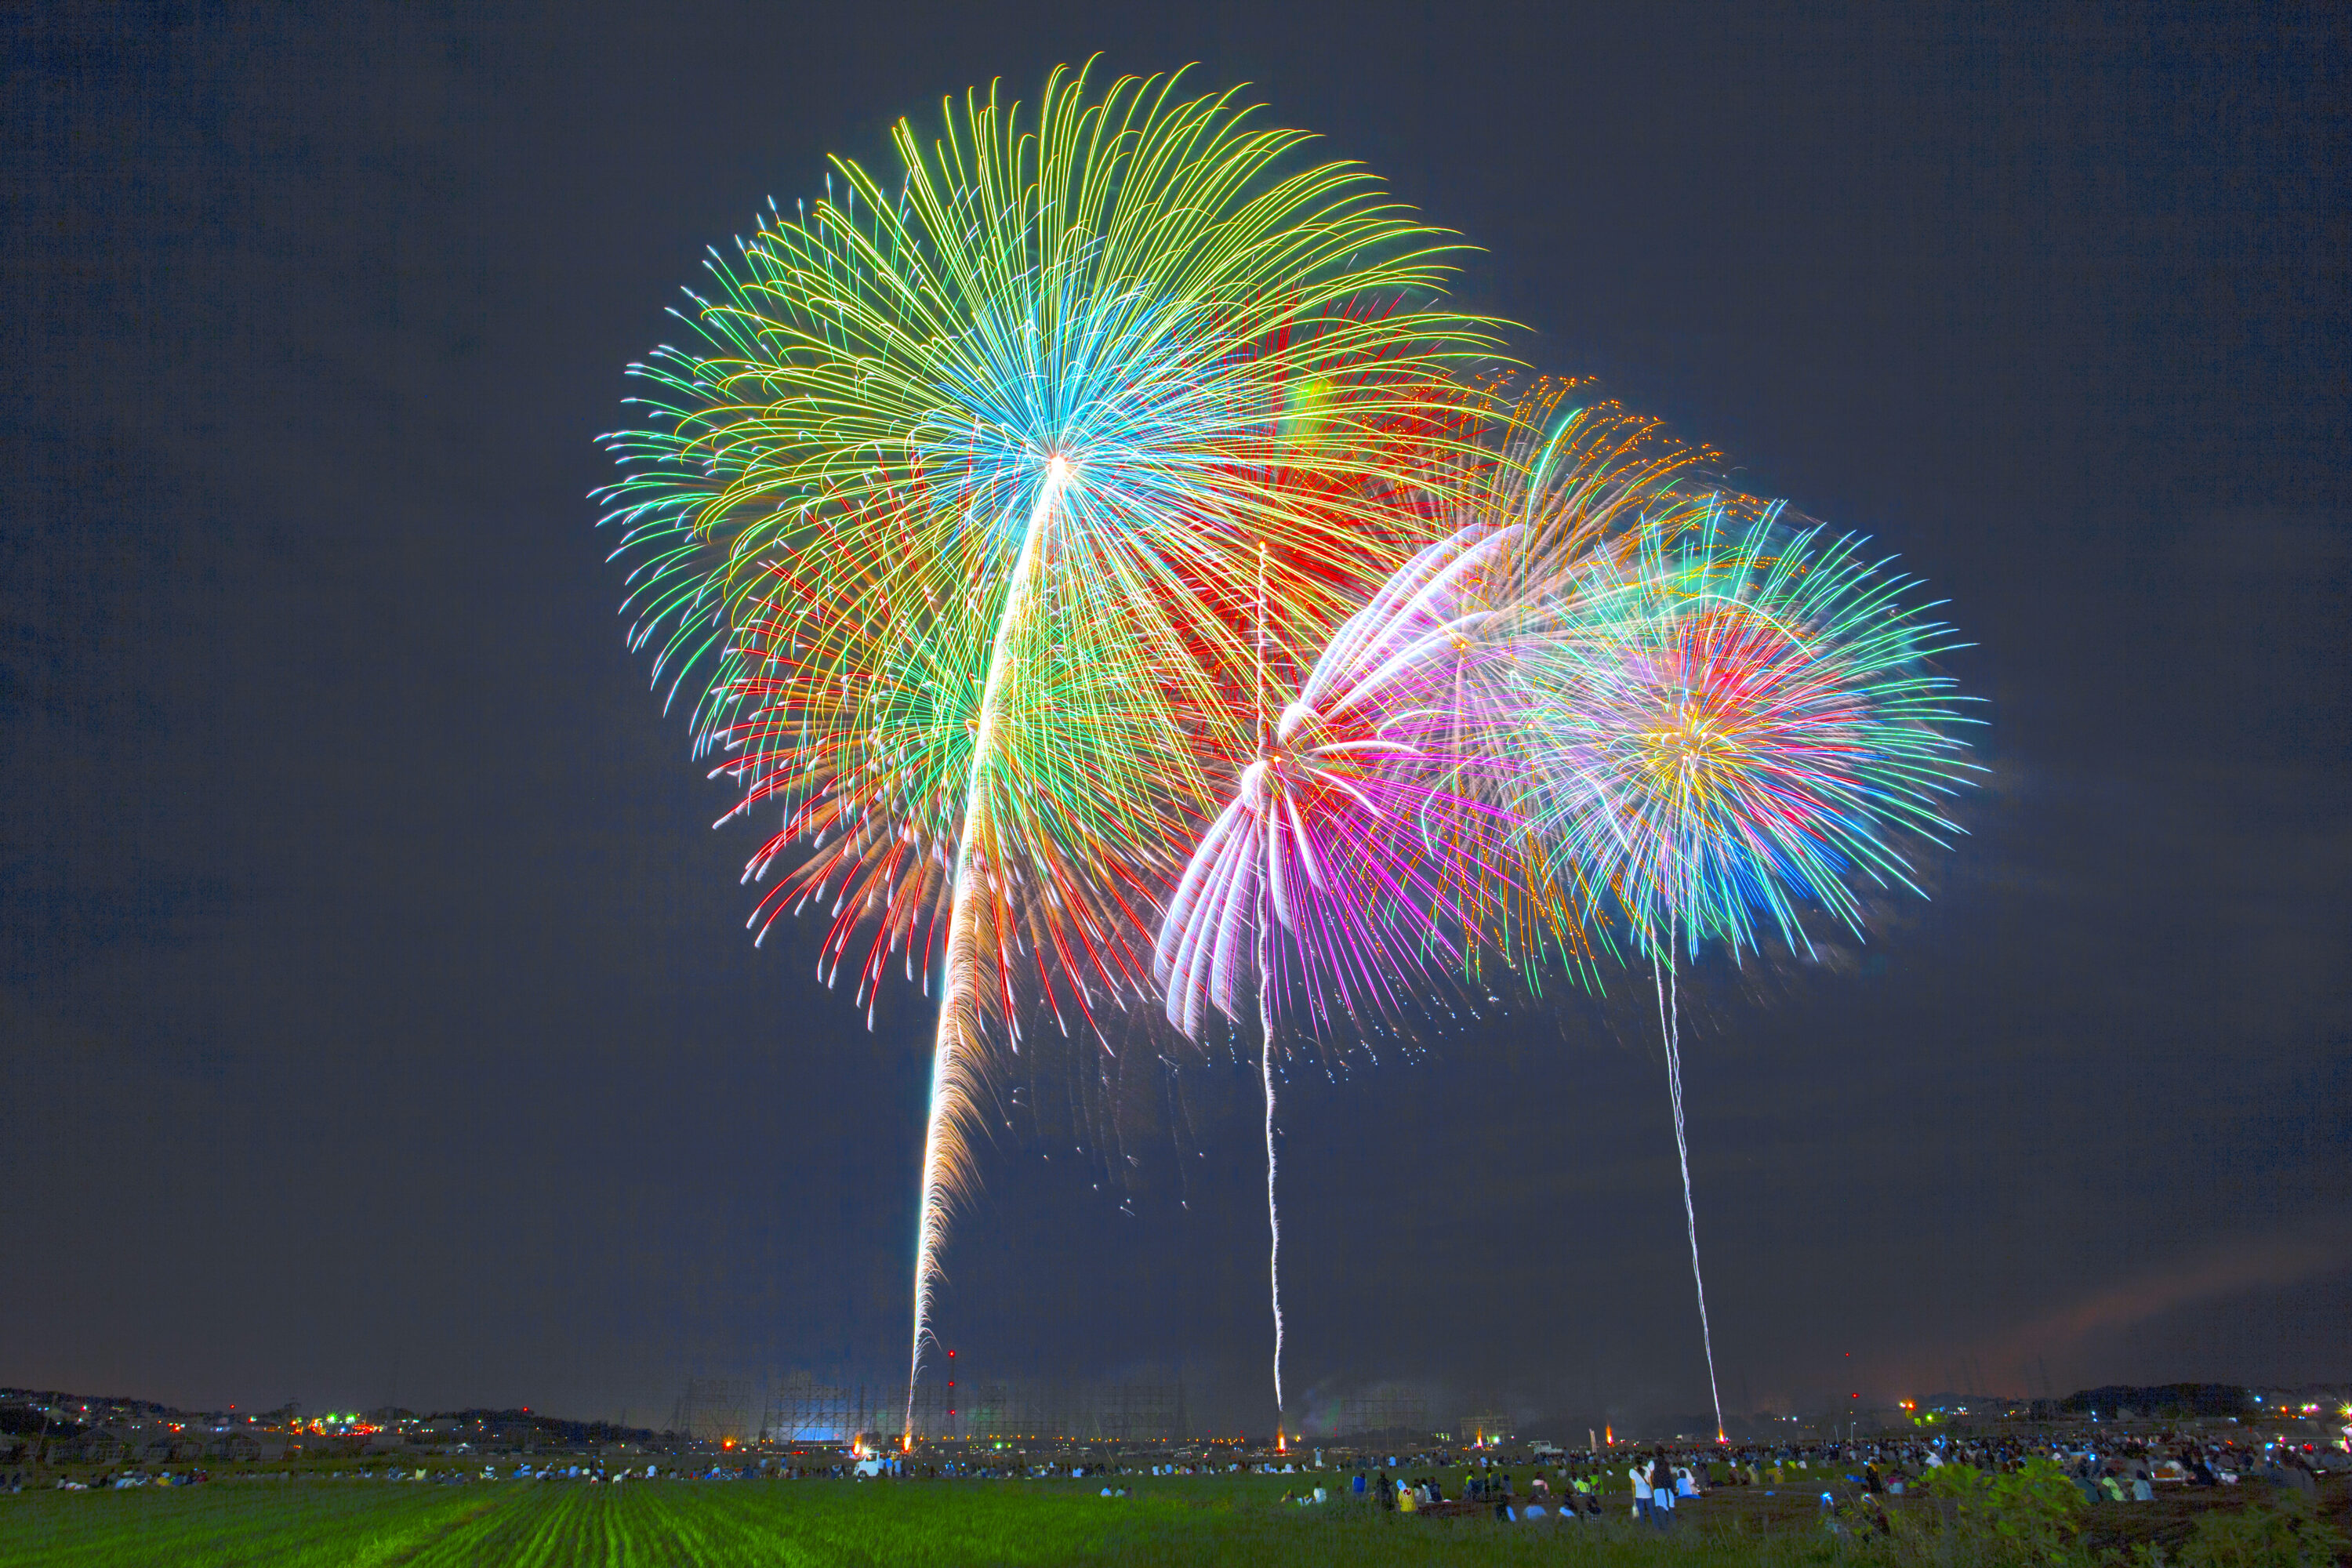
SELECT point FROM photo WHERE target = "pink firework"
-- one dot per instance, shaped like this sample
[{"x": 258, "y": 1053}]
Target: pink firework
[{"x": 1351, "y": 856}]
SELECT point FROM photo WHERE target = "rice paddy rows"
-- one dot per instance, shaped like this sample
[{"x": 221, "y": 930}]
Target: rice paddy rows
[{"x": 698, "y": 1525}]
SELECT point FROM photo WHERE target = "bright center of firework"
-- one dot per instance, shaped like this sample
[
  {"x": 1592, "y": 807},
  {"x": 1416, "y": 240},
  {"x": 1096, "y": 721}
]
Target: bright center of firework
[{"x": 1691, "y": 744}]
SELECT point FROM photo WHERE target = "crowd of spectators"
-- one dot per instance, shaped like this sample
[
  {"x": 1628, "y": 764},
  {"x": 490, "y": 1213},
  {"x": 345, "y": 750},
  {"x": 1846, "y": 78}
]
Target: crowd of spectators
[{"x": 1646, "y": 1484}]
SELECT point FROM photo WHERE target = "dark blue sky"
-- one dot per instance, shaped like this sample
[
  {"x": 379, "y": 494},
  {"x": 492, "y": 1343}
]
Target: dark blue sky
[{"x": 376, "y": 1015}]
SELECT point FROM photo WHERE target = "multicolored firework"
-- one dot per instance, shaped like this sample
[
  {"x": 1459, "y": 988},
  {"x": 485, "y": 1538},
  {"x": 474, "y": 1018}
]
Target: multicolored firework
[
  {"x": 1569, "y": 490},
  {"x": 982, "y": 513},
  {"x": 1730, "y": 719},
  {"x": 1345, "y": 866},
  {"x": 1373, "y": 843},
  {"x": 1348, "y": 827},
  {"x": 949, "y": 520}
]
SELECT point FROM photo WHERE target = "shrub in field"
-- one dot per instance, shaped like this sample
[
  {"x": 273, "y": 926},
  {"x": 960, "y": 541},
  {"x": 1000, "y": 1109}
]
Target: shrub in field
[
  {"x": 2277, "y": 1533},
  {"x": 2024, "y": 1516}
]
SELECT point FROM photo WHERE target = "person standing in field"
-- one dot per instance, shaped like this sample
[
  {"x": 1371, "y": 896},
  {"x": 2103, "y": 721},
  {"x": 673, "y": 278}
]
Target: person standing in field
[{"x": 1641, "y": 1475}]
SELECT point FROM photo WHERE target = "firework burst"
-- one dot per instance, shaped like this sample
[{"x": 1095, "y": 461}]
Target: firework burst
[
  {"x": 1728, "y": 720},
  {"x": 1734, "y": 720},
  {"x": 1568, "y": 490},
  {"x": 944, "y": 520},
  {"x": 1345, "y": 868}
]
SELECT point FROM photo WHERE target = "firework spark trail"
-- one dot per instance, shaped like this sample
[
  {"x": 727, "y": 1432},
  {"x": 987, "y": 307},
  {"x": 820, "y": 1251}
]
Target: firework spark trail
[
  {"x": 1265, "y": 1036},
  {"x": 955, "y": 1067},
  {"x": 1670, "y": 1029},
  {"x": 1273, "y": 1209}
]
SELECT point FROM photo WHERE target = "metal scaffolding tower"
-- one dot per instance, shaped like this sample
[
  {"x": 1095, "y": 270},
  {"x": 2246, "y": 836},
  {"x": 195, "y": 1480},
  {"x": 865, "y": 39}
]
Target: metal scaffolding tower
[
  {"x": 802, "y": 1410},
  {"x": 1485, "y": 1428},
  {"x": 1140, "y": 1412},
  {"x": 1384, "y": 1411},
  {"x": 715, "y": 1410},
  {"x": 1075, "y": 1412}
]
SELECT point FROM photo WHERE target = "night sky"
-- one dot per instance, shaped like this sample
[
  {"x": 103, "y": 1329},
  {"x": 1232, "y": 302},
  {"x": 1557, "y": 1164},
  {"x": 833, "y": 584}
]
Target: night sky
[{"x": 377, "y": 1018}]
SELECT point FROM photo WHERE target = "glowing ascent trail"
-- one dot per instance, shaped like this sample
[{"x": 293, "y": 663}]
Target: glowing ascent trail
[
  {"x": 1273, "y": 1211},
  {"x": 954, "y": 1064},
  {"x": 1670, "y": 1028},
  {"x": 1266, "y": 1030}
]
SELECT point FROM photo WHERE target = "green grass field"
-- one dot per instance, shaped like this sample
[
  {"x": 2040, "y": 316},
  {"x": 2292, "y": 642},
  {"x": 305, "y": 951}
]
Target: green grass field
[
  {"x": 325, "y": 1519},
  {"x": 1221, "y": 1520}
]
